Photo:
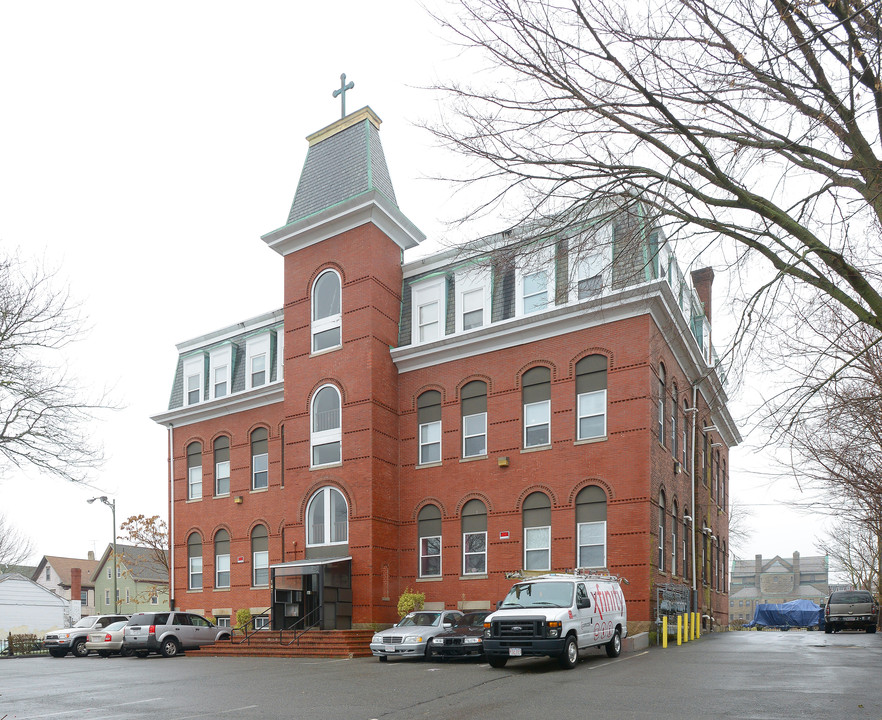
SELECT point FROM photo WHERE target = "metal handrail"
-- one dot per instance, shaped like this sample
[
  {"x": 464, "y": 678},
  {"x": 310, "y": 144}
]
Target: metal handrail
[
  {"x": 247, "y": 638},
  {"x": 306, "y": 628}
]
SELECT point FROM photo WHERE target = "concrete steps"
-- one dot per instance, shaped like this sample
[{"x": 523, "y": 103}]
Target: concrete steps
[{"x": 314, "y": 643}]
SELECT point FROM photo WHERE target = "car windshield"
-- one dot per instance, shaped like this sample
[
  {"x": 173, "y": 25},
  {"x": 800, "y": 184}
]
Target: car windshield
[
  {"x": 88, "y": 621},
  {"x": 423, "y": 619},
  {"x": 117, "y": 625},
  {"x": 471, "y": 620},
  {"x": 850, "y": 597},
  {"x": 540, "y": 594}
]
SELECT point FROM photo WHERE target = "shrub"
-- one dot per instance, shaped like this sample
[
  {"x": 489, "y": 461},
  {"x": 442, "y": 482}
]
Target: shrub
[
  {"x": 23, "y": 644},
  {"x": 410, "y": 601},
  {"x": 243, "y": 618}
]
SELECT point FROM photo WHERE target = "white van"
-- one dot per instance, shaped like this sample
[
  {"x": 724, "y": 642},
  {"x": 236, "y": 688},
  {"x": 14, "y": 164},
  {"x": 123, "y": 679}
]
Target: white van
[{"x": 557, "y": 615}]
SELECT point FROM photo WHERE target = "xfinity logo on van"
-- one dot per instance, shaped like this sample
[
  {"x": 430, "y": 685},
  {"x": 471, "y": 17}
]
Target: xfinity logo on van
[{"x": 608, "y": 600}]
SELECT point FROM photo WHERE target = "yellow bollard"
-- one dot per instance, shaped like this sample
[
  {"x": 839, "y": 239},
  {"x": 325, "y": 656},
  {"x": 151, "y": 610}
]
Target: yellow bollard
[
  {"x": 665, "y": 632},
  {"x": 692, "y": 629},
  {"x": 685, "y": 627},
  {"x": 679, "y": 628},
  {"x": 698, "y": 625}
]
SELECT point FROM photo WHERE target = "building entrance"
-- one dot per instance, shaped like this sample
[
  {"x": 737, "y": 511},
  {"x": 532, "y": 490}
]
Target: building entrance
[{"x": 312, "y": 593}]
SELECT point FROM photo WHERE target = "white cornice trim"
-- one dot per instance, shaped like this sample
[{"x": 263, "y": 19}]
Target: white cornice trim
[
  {"x": 267, "y": 321},
  {"x": 371, "y": 206},
  {"x": 213, "y": 409}
]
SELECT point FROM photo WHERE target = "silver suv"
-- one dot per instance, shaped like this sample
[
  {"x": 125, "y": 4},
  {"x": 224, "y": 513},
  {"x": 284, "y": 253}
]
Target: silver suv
[
  {"x": 851, "y": 610},
  {"x": 169, "y": 633},
  {"x": 73, "y": 640}
]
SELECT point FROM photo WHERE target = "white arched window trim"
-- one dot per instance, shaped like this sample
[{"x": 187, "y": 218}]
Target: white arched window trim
[
  {"x": 323, "y": 328},
  {"x": 322, "y": 527},
  {"x": 325, "y": 431}
]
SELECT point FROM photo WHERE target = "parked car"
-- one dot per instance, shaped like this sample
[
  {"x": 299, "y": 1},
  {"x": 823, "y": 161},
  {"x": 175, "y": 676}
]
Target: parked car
[
  {"x": 410, "y": 637},
  {"x": 73, "y": 640},
  {"x": 108, "y": 641},
  {"x": 851, "y": 610},
  {"x": 464, "y": 639},
  {"x": 169, "y": 633}
]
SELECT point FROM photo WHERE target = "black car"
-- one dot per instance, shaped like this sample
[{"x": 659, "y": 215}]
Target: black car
[{"x": 464, "y": 639}]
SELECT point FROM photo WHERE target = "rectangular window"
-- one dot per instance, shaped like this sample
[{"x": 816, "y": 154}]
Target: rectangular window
[
  {"x": 537, "y": 548},
  {"x": 192, "y": 389},
  {"x": 592, "y": 544},
  {"x": 260, "y": 471},
  {"x": 535, "y": 292},
  {"x": 592, "y": 414},
  {"x": 472, "y": 309},
  {"x": 474, "y": 553},
  {"x": 258, "y": 370},
  {"x": 537, "y": 424},
  {"x": 109, "y": 573},
  {"x": 430, "y": 442},
  {"x": 222, "y": 620},
  {"x": 48, "y": 572},
  {"x": 84, "y": 597},
  {"x": 430, "y": 556},
  {"x": 222, "y": 478},
  {"x": 195, "y": 573},
  {"x": 107, "y": 597},
  {"x": 118, "y": 571},
  {"x": 590, "y": 287},
  {"x": 222, "y": 571},
  {"x": 260, "y": 622},
  {"x": 474, "y": 435},
  {"x": 154, "y": 599},
  {"x": 117, "y": 594},
  {"x": 220, "y": 381},
  {"x": 194, "y": 372},
  {"x": 194, "y": 482},
  {"x": 261, "y": 568},
  {"x": 128, "y": 598},
  {"x": 429, "y": 320}
]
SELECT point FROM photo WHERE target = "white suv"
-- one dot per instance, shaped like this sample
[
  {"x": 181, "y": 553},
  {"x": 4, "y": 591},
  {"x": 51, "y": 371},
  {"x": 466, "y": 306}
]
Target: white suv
[{"x": 557, "y": 615}]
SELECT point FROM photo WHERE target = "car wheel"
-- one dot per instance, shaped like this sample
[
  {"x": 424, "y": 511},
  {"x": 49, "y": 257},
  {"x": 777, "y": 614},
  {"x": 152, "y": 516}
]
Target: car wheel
[
  {"x": 169, "y": 648},
  {"x": 223, "y": 637},
  {"x": 871, "y": 629},
  {"x": 614, "y": 646},
  {"x": 497, "y": 661},
  {"x": 79, "y": 648},
  {"x": 382, "y": 658},
  {"x": 427, "y": 655},
  {"x": 569, "y": 658},
  {"x": 58, "y": 653},
  {"x": 142, "y": 653},
  {"x": 126, "y": 652},
  {"x": 104, "y": 653}
]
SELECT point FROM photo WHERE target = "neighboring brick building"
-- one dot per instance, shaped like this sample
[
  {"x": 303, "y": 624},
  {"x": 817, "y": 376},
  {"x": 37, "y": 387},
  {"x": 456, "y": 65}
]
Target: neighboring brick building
[
  {"x": 440, "y": 422},
  {"x": 776, "y": 581}
]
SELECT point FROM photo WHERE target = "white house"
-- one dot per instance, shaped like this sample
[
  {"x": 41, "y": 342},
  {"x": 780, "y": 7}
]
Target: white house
[{"x": 26, "y": 607}]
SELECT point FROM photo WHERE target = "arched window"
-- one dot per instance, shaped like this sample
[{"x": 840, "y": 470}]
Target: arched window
[
  {"x": 661, "y": 531},
  {"x": 429, "y": 420},
  {"x": 222, "y": 559},
  {"x": 194, "y": 561},
  {"x": 661, "y": 403},
  {"x": 326, "y": 312},
  {"x": 429, "y": 529},
  {"x": 591, "y": 397},
  {"x": 474, "y": 538},
  {"x": 536, "y": 394},
  {"x": 674, "y": 540},
  {"x": 259, "y": 556},
  {"x": 327, "y": 518},
  {"x": 474, "y": 419},
  {"x": 222, "y": 465},
  {"x": 591, "y": 527},
  {"x": 326, "y": 435},
  {"x": 687, "y": 458},
  {"x": 537, "y": 532},
  {"x": 259, "y": 459},
  {"x": 675, "y": 450},
  {"x": 194, "y": 471}
]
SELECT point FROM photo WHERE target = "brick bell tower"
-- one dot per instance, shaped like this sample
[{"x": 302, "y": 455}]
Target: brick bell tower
[{"x": 343, "y": 244}]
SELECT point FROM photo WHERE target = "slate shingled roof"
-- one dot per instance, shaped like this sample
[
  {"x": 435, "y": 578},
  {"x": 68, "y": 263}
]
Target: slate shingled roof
[{"x": 342, "y": 166}]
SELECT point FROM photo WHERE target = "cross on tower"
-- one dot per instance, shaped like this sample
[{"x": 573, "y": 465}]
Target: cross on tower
[{"x": 342, "y": 92}]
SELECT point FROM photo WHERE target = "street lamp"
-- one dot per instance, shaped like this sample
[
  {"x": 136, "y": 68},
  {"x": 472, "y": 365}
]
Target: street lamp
[{"x": 112, "y": 505}]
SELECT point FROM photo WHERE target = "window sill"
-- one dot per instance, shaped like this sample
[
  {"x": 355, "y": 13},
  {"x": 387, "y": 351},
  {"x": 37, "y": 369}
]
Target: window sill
[
  {"x": 193, "y": 500},
  {"x": 317, "y": 353},
  {"x": 323, "y": 467},
  {"x": 191, "y": 591},
  {"x": 537, "y": 448},
  {"x": 257, "y": 490},
  {"x": 259, "y": 587},
  {"x": 589, "y": 441},
  {"x": 429, "y": 465},
  {"x": 473, "y": 458},
  {"x": 430, "y": 579},
  {"x": 221, "y": 495},
  {"x": 476, "y": 576}
]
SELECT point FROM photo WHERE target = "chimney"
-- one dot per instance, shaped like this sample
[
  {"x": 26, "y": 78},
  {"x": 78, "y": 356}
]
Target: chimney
[
  {"x": 91, "y": 555},
  {"x": 757, "y": 571},
  {"x": 796, "y": 578},
  {"x": 702, "y": 281},
  {"x": 76, "y": 585}
]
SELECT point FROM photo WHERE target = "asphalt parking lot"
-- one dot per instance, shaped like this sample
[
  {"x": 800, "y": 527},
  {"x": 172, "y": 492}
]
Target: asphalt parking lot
[{"x": 746, "y": 675}]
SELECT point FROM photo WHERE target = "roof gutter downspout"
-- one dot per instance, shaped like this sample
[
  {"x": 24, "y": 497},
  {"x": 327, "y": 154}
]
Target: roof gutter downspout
[
  {"x": 692, "y": 488},
  {"x": 171, "y": 524}
]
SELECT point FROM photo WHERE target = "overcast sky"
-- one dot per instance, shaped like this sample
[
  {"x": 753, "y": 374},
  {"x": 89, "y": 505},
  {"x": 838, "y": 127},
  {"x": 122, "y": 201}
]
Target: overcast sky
[{"x": 145, "y": 148}]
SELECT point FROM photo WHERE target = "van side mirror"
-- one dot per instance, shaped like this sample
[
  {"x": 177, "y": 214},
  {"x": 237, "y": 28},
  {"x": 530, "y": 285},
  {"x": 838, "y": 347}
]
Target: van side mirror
[{"x": 583, "y": 603}]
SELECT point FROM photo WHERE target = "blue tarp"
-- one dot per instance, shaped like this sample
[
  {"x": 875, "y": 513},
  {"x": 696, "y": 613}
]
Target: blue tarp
[{"x": 796, "y": 614}]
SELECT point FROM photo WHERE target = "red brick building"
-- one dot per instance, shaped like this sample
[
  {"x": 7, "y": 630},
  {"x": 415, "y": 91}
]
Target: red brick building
[{"x": 534, "y": 403}]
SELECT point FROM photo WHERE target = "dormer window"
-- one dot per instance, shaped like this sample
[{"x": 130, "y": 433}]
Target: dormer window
[
  {"x": 429, "y": 310},
  {"x": 472, "y": 300},
  {"x": 326, "y": 312},
  {"x": 535, "y": 286},
  {"x": 194, "y": 372},
  {"x": 257, "y": 351},
  {"x": 220, "y": 365}
]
